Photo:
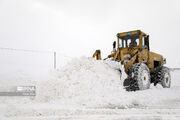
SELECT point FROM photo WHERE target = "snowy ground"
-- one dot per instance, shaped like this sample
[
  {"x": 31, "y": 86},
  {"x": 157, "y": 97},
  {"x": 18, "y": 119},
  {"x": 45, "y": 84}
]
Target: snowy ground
[{"x": 90, "y": 89}]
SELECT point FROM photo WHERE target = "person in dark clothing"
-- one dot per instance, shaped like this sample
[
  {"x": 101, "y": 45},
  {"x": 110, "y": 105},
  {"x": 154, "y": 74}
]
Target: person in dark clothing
[{"x": 114, "y": 46}]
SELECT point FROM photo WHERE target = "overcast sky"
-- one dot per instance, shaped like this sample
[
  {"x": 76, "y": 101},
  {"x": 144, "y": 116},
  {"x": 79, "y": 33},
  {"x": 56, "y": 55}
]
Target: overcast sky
[{"x": 79, "y": 27}]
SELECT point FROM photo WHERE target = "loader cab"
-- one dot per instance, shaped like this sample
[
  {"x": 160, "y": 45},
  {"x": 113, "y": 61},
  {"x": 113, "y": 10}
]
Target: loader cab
[{"x": 135, "y": 38}]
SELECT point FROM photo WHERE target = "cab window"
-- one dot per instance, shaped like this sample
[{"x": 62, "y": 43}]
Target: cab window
[{"x": 128, "y": 41}]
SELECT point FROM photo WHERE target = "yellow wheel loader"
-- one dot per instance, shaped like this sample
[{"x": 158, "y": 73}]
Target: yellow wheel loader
[{"x": 142, "y": 66}]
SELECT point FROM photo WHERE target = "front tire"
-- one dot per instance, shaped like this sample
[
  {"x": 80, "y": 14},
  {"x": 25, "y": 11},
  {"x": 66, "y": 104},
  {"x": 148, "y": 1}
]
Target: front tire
[{"x": 139, "y": 77}]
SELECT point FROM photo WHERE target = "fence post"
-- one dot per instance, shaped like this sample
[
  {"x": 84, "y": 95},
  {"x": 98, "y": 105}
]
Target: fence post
[{"x": 54, "y": 60}]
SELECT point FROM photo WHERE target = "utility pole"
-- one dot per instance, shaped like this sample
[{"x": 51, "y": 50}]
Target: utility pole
[{"x": 54, "y": 60}]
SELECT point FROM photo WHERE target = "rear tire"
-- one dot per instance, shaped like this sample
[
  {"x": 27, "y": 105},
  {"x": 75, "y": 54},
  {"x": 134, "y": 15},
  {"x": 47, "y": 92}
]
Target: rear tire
[
  {"x": 139, "y": 77},
  {"x": 162, "y": 75}
]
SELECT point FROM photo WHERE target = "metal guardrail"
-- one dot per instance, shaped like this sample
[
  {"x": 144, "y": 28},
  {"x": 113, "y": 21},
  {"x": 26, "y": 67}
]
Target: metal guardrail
[
  {"x": 173, "y": 69},
  {"x": 21, "y": 91}
]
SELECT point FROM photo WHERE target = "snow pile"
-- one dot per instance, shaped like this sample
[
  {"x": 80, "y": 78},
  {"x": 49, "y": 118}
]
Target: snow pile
[{"x": 84, "y": 81}]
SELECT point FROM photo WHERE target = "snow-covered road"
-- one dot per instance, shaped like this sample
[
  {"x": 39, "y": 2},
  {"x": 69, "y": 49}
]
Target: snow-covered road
[{"x": 52, "y": 113}]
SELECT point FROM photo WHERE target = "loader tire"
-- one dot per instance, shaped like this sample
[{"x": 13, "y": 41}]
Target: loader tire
[
  {"x": 139, "y": 77},
  {"x": 163, "y": 77}
]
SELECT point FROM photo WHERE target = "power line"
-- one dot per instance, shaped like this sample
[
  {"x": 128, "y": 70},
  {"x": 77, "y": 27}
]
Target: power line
[
  {"x": 25, "y": 50},
  {"x": 35, "y": 51}
]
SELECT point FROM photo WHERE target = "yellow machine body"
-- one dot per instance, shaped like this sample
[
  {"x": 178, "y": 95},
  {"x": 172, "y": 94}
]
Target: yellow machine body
[{"x": 139, "y": 52}]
